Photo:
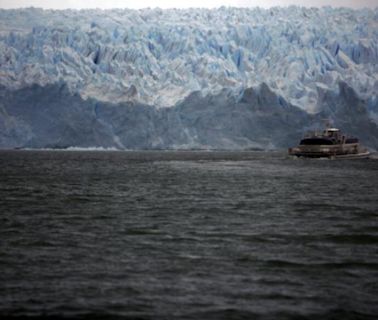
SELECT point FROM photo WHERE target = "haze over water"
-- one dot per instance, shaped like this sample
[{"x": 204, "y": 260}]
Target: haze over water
[{"x": 187, "y": 235}]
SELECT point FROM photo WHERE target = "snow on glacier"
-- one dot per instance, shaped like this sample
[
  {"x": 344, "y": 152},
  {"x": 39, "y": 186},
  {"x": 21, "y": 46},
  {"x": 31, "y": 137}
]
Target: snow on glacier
[{"x": 158, "y": 57}]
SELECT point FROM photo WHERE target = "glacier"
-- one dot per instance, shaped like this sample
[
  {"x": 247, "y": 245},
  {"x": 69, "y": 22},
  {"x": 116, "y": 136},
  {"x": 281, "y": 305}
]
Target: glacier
[{"x": 229, "y": 78}]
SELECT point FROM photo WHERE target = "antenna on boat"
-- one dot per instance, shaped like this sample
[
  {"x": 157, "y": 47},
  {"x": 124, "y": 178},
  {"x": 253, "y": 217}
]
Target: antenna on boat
[{"x": 327, "y": 123}]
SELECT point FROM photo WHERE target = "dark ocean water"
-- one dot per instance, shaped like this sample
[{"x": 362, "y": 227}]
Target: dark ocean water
[{"x": 187, "y": 235}]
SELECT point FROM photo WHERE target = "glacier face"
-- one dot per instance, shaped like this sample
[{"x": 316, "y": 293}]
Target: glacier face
[
  {"x": 159, "y": 57},
  {"x": 53, "y": 117},
  {"x": 193, "y": 69}
]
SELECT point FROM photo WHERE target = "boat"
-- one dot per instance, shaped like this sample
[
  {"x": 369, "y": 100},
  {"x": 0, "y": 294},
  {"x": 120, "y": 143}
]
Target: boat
[{"x": 330, "y": 143}]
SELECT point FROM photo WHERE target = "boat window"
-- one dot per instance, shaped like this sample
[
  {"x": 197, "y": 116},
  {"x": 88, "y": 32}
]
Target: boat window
[{"x": 316, "y": 141}]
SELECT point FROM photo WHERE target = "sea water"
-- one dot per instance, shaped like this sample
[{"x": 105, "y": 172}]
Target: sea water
[{"x": 187, "y": 235}]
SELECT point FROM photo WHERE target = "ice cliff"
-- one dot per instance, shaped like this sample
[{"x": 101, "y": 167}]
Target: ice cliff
[{"x": 196, "y": 78}]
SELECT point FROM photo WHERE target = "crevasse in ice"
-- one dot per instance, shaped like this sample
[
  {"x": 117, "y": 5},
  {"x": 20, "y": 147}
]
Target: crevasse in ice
[{"x": 158, "y": 57}]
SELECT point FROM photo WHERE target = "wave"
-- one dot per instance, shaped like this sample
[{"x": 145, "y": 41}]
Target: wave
[{"x": 75, "y": 149}]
